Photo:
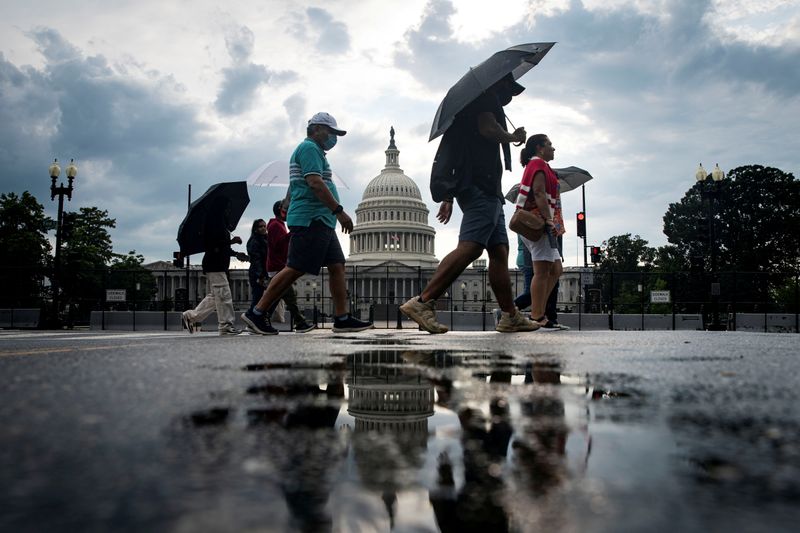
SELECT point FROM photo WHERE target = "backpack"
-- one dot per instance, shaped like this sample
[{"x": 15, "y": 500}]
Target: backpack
[{"x": 451, "y": 168}]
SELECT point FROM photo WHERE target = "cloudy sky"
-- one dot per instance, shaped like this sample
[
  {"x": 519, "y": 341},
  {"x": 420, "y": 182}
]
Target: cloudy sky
[{"x": 151, "y": 96}]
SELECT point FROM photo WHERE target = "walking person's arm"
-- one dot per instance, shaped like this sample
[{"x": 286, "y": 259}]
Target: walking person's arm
[
  {"x": 540, "y": 197},
  {"x": 326, "y": 197},
  {"x": 489, "y": 128}
]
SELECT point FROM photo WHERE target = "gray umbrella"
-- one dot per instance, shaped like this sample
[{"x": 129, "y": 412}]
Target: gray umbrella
[
  {"x": 516, "y": 60},
  {"x": 569, "y": 178}
]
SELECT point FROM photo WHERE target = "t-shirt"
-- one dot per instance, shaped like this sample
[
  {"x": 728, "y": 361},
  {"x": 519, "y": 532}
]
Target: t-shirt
[
  {"x": 304, "y": 207},
  {"x": 551, "y": 188},
  {"x": 484, "y": 154},
  {"x": 278, "y": 238}
]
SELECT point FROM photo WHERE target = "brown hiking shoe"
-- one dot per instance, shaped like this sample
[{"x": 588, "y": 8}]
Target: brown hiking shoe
[
  {"x": 517, "y": 322},
  {"x": 423, "y": 314}
]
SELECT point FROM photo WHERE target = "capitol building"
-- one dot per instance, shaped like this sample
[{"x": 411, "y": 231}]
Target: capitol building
[{"x": 391, "y": 226}]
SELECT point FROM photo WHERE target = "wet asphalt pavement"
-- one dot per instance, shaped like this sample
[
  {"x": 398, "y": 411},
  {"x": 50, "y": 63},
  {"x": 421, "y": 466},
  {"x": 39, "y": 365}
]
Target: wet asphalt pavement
[{"x": 568, "y": 431}]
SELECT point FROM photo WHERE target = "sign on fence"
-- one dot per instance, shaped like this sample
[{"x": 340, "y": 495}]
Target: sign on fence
[
  {"x": 115, "y": 295},
  {"x": 659, "y": 297}
]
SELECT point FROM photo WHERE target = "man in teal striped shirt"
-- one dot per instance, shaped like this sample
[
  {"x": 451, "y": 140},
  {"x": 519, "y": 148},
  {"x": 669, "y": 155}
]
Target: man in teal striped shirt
[{"x": 314, "y": 209}]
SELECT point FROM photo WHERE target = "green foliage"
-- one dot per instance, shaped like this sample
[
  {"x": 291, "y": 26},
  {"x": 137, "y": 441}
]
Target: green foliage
[
  {"x": 626, "y": 253},
  {"x": 86, "y": 251},
  {"x": 125, "y": 272},
  {"x": 757, "y": 222},
  {"x": 24, "y": 250}
]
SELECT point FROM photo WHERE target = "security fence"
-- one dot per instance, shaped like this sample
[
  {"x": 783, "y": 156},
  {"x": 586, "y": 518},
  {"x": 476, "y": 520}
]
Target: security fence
[{"x": 587, "y": 299}]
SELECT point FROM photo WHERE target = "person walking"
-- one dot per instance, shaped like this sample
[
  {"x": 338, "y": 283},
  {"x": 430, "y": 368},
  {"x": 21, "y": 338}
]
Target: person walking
[
  {"x": 523, "y": 301},
  {"x": 216, "y": 262},
  {"x": 257, "y": 250},
  {"x": 278, "y": 239},
  {"x": 314, "y": 209},
  {"x": 483, "y": 224},
  {"x": 545, "y": 201}
]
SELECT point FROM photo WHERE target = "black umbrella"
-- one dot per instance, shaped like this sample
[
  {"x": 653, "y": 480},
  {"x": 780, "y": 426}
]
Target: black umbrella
[
  {"x": 230, "y": 195},
  {"x": 569, "y": 178},
  {"x": 516, "y": 61}
]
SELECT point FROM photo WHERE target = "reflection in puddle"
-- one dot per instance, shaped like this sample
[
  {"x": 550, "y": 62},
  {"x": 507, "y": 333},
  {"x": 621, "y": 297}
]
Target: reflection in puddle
[{"x": 412, "y": 439}]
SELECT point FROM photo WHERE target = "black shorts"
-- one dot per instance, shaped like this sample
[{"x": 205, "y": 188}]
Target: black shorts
[{"x": 312, "y": 247}]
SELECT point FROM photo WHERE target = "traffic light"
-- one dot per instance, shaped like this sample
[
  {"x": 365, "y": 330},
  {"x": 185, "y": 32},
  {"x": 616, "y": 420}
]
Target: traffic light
[
  {"x": 596, "y": 254},
  {"x": 177, "y": 259},
  {"x": 581, "y": 224}
]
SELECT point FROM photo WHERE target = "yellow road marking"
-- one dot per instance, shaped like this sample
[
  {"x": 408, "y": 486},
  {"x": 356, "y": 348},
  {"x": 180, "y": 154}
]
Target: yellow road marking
[{"x": 41, "y": 351}]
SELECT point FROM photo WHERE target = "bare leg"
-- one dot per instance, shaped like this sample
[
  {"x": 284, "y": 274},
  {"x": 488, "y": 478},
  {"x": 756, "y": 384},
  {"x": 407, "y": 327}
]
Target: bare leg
[
  {"x": 499, "y": 278},
  {"x": 279, "y": 284},
  {"x": 451, "y": 267},
  {"x": 338, "y": 288},
  {"x": 540, "y": 287}
]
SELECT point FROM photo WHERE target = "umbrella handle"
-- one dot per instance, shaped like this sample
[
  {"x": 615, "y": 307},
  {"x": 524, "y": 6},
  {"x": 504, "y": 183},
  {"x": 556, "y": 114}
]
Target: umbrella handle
[{"x": 513, "y": 126}]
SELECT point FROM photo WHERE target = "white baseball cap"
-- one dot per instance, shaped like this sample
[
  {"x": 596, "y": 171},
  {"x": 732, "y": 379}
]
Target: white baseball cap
[{"x": 326, "y": 119}]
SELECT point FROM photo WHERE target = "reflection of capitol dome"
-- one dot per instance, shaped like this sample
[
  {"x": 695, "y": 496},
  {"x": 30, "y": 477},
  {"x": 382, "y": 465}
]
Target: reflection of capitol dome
[
  {"x": 392, "y": 220},
  {"x": 387, "y": 398},
  {"x": 391, "y": 404}
]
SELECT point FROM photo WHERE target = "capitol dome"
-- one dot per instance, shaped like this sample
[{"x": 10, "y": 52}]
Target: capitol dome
[{"x": 391, "y": 223}]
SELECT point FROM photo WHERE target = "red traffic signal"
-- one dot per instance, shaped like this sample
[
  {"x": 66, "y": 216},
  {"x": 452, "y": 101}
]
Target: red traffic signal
[
  {"x": 596, "y": 254},
  {"x": 581, "y": 224},
  {"x": 177, "y": 259}
]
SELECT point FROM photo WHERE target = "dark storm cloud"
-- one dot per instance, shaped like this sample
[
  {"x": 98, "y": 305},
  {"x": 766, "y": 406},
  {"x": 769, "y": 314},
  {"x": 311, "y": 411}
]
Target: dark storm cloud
[
  {"x": 241, "y": 82},
  {"x": 432, "y": 54},
  {"x": 80, "y": 105},
  {"x": 329, "y": 35},
  {"x": 132, "y": 139},
  {"x": 620, "y": 49}
]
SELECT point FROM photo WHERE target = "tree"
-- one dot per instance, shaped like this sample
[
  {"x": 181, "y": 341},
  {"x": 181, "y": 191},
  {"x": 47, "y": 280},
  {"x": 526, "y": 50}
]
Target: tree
[
  {"x": 24, "y": 250},
  {"x": 623, "y": 253},
  {"x": 757, "y": 222},
  {"x": 126, "y": 272},
  {"x": 86, "y": 252}
]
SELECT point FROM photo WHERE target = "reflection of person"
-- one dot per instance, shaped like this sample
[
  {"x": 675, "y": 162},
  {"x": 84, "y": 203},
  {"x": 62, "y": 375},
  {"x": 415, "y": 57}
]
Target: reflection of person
[
  {"x": 539, "y": 447},
  {"x": 216, "y": 261},
  {"x": 278, "y": 238},
  {"x": 257, "y": 250},
  {"x": 545, "y": 201},
  {"x": 313, "y": 212},
  {"x": 478, "y": 505},
  {"x": 300, "y": 421},
  {"x": 483, "y": 224}
]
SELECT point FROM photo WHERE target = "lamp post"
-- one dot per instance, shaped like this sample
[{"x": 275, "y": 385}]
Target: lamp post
[
  {"x": 61, "y": 191},
  {"x": 711, "y": 197},
  {"x": 463, "y": 295},
  {"x": 314, "y": 299}
]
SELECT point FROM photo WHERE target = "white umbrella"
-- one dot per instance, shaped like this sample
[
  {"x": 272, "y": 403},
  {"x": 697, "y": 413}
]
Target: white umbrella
[
  {"x": 569, "y": 178},
  {"x": 276, "y": 174}
]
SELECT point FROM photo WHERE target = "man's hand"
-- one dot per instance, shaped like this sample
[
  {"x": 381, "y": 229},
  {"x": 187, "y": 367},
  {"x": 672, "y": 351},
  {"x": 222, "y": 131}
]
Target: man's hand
[
  {"x": 520, "y": 136},
  {"x": 445, "y": 212},
  {"x": 346, "y": 222},
  {"x": 242, "y": 256},
  {"x": 236, "y": 240}
]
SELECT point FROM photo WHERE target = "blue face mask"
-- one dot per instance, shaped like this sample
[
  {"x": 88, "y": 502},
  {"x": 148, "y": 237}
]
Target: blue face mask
[{"x": 330, "y": 142}]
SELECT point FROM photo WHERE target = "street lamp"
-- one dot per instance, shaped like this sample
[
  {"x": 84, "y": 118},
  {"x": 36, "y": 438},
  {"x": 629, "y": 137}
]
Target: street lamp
[
  {"x": 711, "y": 198},
  {"x": 314, "y": 299},
  {"x": 464, "y": 295},
  {"x": 61, "y": 192}
]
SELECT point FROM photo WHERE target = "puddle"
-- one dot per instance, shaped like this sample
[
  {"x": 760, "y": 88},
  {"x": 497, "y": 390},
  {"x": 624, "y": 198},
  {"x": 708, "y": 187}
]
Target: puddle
[{"x": 415, "y": 440}]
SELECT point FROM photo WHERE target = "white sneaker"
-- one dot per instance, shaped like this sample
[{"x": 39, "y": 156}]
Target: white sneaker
[
  {"x": 187, "y": 322},
  {"x": 517, "y": 322},
  {"x": 424, "y": 314},
  {"x": 229, "y": 330}
]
